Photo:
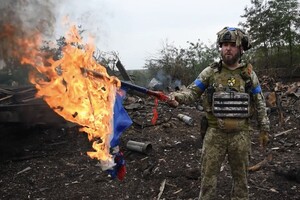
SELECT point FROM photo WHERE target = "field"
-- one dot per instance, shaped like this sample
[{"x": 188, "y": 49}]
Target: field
[{"x": 45, "y": 162}]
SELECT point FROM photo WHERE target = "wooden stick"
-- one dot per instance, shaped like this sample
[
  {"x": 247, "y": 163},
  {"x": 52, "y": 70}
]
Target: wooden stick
[
  {"x": 284, "y": 132},
  {"x": 261, "y": 164},
  {"x": 177, "y": 191},
  {"x": 6, "y": 91},
  {"x": 31, "y": 99},
  {"x": 7, "y": 97},
  {"x": 262, "y": 188},
  {"x": 161, "y": 189},
  {"x": 24, "y": 170}
]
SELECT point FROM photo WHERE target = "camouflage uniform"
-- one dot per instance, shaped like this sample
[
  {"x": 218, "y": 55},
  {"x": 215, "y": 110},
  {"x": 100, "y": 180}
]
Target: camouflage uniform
[{"x": 220, "y": 142}]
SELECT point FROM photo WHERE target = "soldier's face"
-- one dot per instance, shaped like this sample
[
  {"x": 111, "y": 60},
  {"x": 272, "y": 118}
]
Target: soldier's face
[{"x": 230, "y": 53}]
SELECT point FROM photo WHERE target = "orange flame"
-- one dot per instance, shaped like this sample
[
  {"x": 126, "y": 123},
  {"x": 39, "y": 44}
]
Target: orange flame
[{"x": 75, "y": 96}]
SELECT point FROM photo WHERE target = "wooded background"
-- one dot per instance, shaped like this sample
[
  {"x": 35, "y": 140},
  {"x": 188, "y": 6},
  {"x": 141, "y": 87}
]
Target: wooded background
[
  {"x": 274, "y": 31},
  {"x": 273, "y": 27}
]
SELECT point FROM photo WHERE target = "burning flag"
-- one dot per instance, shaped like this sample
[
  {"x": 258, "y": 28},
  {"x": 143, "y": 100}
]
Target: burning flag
[
  {"x": 93, "y": 103},
  {"x": 121, "y": 122},
  {"x": 69, "y": 79},
  {"x": 83, "y": 100}
]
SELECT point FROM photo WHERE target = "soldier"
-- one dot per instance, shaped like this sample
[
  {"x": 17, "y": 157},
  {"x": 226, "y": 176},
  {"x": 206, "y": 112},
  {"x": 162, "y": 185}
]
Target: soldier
[{"x": 230, "y": 90}]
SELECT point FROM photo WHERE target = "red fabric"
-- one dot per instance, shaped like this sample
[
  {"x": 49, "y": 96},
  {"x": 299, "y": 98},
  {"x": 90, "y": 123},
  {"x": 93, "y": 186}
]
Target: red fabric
[
  {"x": 155, "y": 113},
  {"x": 121, "y": 173}
]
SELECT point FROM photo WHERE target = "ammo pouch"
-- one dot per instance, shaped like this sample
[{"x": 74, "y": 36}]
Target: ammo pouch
[
  {"x": 231, "y": 124},
  {"x": 231, "y": 110}
]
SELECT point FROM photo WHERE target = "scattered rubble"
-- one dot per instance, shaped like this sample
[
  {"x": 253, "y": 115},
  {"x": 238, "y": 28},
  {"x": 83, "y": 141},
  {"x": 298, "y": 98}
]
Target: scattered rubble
[{"x": 51, "y": 163}]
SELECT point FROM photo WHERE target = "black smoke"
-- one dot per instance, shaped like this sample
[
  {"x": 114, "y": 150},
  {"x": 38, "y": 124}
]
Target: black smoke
[{"x": 23, "y": 18}]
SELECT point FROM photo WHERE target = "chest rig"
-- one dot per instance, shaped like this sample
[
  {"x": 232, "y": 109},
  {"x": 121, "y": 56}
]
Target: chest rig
[{"x": 229, "y": 97}]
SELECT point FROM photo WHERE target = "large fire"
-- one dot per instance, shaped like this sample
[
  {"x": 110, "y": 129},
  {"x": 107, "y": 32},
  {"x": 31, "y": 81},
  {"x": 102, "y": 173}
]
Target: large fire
[{"x": 73, "y": 94}]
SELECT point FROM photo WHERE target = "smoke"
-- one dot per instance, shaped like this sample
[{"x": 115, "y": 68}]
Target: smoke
[
  {"x": 28, "y": 15},
  {"x": 91, "y": 16},
  {"x": 163, "y": 81},
  {"x": 23, "y": 19}
]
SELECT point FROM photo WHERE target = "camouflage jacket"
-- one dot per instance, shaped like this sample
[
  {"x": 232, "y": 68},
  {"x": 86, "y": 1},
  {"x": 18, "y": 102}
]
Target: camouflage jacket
[{"x": 242, "y": 79}]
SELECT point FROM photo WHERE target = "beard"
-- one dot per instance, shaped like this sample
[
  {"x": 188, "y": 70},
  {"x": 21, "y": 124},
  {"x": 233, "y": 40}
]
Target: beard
[{"x": 230, "y": 59}]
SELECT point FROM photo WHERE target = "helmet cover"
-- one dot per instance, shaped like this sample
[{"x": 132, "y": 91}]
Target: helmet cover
[{"x": 233, "y": 35}]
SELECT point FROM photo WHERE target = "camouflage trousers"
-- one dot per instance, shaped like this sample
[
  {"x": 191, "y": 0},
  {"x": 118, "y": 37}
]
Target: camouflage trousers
[{"x": 216, "y": 145}]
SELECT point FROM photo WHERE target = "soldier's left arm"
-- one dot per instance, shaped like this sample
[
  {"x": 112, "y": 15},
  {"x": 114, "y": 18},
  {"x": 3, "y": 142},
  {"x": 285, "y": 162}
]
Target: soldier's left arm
[{"x": 260, "y": 104}]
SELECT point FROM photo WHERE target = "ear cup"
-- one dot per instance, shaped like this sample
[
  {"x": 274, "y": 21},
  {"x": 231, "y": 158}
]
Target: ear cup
[{"x": 245, "y": 43}]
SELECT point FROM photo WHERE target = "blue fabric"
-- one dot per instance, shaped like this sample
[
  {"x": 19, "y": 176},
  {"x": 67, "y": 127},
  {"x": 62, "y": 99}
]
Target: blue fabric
[
  {"x": 122, "y": 121},
  {"x": 120, "y": 164},
  {"x": 256, "y": 90},
  {"x": 199, "y": 84},
  {"x": 231, "y": 28}
]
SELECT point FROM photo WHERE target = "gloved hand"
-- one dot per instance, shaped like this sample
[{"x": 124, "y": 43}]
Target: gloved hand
[
  {"x": 172, "y": 101},
  {"x": 263, "y": 139}
]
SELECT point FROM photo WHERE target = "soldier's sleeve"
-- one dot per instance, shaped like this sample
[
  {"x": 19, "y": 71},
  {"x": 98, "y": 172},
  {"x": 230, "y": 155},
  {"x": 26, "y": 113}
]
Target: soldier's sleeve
[
  {"x": 259, "y": 103},
  {"x": 195, "y": 89}
]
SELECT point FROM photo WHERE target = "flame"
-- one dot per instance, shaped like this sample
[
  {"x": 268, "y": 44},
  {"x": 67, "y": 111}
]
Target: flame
[{"x": 79, "y": 98}]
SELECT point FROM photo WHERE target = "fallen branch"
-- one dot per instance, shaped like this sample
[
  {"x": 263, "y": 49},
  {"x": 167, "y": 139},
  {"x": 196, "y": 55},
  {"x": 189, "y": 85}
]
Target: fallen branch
[
  {"x": 161, "y": 189},
  {"x": 261, "y": 164},
  {"x": 29, "y": 99},
  {"x": 262, "y": 188},
  {"x": 7, "y": 97},
  {"x": 24, "y": 170},
  {"x": 284, "y": 132},
  {"x": 177, "y": 191}
]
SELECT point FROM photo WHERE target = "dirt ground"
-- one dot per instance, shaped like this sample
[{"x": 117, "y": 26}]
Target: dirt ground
[{"x": 51, "y": 163}]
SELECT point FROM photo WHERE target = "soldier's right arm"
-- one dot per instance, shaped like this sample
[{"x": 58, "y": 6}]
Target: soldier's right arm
[{"x": 195, "y": 89}]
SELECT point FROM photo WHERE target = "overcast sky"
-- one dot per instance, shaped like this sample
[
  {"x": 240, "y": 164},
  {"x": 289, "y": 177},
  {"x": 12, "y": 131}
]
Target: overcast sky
[{"x": 138, "y": 29}]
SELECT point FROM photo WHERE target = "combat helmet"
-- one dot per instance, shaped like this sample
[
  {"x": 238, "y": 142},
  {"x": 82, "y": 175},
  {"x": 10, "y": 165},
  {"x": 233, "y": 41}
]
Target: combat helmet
[{"x": 231, "y": 34}]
